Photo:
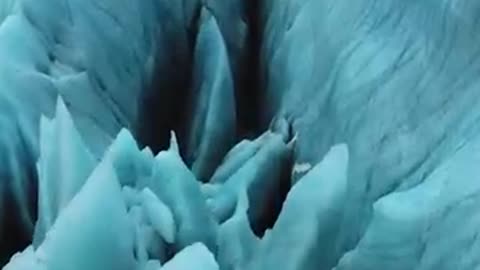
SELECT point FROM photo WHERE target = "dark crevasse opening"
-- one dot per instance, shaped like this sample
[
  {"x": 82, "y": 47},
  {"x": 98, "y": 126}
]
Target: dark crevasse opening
[
  {"x": 162, "y": 110},
  {"x": 274, "y": 203},
  {"x": 18, "y": 209},
  {"x": 164, "y": 104},
  {"x": 250, "y": 90},
  {"x": 163, "y": 107},
  {"x": 16, "y": 239}
]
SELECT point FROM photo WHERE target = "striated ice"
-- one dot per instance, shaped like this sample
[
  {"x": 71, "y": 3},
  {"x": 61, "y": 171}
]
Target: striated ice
[
  {"x": 212, "y": 128},
  {"x": 408, "y": 227}
]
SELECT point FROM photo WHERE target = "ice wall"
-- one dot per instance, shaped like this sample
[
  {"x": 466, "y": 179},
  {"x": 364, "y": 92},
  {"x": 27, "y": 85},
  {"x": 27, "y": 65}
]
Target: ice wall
[
  {"x": 398, "y": 82},
  {"x": 76, "y": 49}
]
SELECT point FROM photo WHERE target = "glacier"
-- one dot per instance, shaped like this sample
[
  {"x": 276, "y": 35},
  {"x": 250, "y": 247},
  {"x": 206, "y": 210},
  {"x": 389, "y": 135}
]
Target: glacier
[{"x": 239, "y": 135}]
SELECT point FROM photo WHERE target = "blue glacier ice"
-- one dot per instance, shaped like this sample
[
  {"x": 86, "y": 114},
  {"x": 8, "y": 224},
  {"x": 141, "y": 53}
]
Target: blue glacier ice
[
  {"x": 239, "y": 135},
  {"x": 159, "y": 215},
  {"x": 212, "y": 129},
  {"x": 63, "y": 156},
  {"x": 192, "y": 257},
  {"x": 322, "y": 193},
  {"x": 237, "y": 243}
]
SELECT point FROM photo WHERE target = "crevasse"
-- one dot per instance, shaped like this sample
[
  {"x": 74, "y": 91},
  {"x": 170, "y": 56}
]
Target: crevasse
[{"x": 274, "y": 134}]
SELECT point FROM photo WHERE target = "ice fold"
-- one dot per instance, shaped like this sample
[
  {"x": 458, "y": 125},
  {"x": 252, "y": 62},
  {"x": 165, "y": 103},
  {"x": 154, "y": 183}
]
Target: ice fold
[{"x": 213, "y": 115}]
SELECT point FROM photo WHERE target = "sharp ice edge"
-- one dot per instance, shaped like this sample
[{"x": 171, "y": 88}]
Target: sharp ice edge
[
  {"x": 63, "y": 155},
  {"x": 137, "y": 207}
]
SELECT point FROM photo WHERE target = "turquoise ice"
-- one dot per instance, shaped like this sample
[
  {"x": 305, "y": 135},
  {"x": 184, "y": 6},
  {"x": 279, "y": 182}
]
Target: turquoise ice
[{"x": 239, "y": 135}]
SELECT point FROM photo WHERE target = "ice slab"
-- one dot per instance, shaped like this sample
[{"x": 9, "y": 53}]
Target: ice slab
[
  {"x": 213, "y": 115},
  {"x": 64, "y": 165},
  {"x": 308, "y": 225}
]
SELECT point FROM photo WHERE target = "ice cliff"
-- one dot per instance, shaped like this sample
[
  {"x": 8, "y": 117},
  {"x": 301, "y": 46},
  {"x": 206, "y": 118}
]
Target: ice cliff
[{"x": 239, "y": 135}]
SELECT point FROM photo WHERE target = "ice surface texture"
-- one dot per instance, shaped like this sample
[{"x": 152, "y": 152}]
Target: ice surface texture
[{"x": 309, "y": 134}]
